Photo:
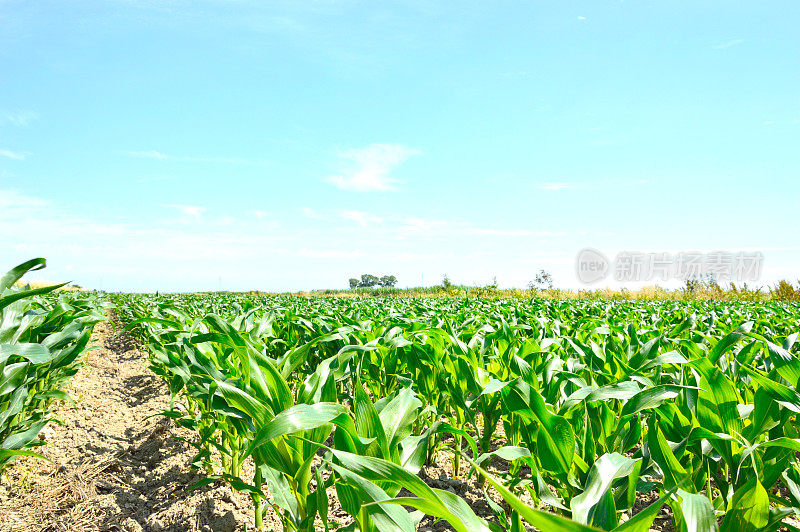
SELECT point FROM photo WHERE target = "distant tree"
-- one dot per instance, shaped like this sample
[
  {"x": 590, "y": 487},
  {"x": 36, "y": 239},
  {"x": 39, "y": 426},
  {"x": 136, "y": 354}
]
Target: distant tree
[
  {"x": 784, "y": 291},
  {"x": 368, "y": 281},
  {"x": 387, "y": 281},
  {"x": 446, "y": 284},
  {"x": 543, "y": 280},
  {"x": 700, "y": 282},
  {"x": 371, "y": 281}
]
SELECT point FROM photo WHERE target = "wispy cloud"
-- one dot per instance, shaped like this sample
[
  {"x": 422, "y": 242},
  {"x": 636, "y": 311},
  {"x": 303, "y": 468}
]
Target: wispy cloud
[
  {"x": 152, "y": 179},
  {"x": 606, "y": 142},
  {"x": 308, "y": 212},
  {"x": 193, "y": 211},
  {"x": 552, "y": 186},
  {"x": 19, "y": 156},
  {"x": 727, "y": 44},
  {"x": 517, "y": 74},
  {"x": 258, "y": 214},
  {"x": 556, "y": 186},
  {"x": 19, "y": 118},
  {"x": 161, "y": 156},
  {"x": 329, "y": 253},
  {"x": 512, "y": 232},
  {"x": 364, "y": 219},
  {"x": 147, "y": 154},
  {"x": 581, "y": 18},
  {"x": 427, "y": 227},
  {"x": 221, "y": 160},
  {"x": 369, "y": 169},
  {"x": 12, "y": 201}
]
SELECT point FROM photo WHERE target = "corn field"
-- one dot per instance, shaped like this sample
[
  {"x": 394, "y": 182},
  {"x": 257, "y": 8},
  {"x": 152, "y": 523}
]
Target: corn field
[
  {"x": 603, "y": 414},
  {"x": 592, "y": 405}
]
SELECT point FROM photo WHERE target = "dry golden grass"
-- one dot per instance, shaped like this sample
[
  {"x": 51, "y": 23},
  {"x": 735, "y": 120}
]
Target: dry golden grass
[
  {"x": 47, "y": 500},
  {"x": 44, "y": 284},
  {"x": 646, "y": 293}
]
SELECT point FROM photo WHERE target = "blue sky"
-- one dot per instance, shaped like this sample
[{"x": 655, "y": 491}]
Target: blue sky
[{"x": 178, "y": 145}]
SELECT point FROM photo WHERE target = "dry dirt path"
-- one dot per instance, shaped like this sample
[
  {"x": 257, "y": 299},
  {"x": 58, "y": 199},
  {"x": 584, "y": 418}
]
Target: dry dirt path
[{"x": 113, "y": 468}]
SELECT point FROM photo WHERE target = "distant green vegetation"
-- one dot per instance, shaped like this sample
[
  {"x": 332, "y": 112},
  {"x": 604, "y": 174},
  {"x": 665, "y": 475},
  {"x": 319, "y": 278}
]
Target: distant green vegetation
[{"x": 542, "y": 287}]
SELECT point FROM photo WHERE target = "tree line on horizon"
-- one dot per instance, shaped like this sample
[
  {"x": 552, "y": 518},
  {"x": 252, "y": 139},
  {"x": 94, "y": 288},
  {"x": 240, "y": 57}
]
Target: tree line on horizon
[{"x": 371, "y": 281}]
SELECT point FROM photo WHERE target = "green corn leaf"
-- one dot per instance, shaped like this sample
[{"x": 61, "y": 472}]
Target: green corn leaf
[
  {"x": 34, "y": 353},
  {"x": 661, "y": 453},
  {"x": 649, "y": 399},
  {"x": 605, "y": 470},
  {"x": 539, "y": 519},
  {"x": 781, "y": 394},
  {"x": 15, "y": 274},
  {"x": 642, "y": 521},
  {"x": 786, "y": 363},
  {"x": 748, "y": 509},
  {"x": 728, "y": 341},
  {"x": 7, "y": 300},
  {"x": 555, "y": 438},
  {"x": 298, "y": 418},
  {"x": 453, "y": 510},
  {"x": 698, "y": 513}
]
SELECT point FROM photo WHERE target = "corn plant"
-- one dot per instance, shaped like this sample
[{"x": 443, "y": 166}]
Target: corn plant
[{"x": 41, "y": 342}]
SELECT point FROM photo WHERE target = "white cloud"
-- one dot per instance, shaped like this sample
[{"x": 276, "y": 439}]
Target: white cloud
[
  {"x": 517, "y": 74},
  {"x": 329, "y": 253},
  {"x": 19, "y": 118},
  {"x": 559, "y": 186},
  {"x": 155, "y": 154},
  {"x": 427, "y": 227},
  {"x": 363, "y": 219},
  {"x": 19, "y": 156},
  {"x": 13, "y": 203},
  {"x": 258, "y": 214},
  {"x": 221, "y": 160},
  {"x": 606, "y": 142},
  {"x": 369, "y": 169},
  {"x": 192, "y": 211},
  {"x": 147, "y": 154},
  {"x": 727, "y": 44},
  {"x": 581, "y": 18},
  {"x": 555, "y": 186},
  {"x": 512, "y": 232},
  {"x": 153, "y": 179},
  {"x": 308, "y": 212}
]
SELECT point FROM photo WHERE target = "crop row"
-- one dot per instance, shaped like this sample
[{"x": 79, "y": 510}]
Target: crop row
[{"x": 41, "y": 341}]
